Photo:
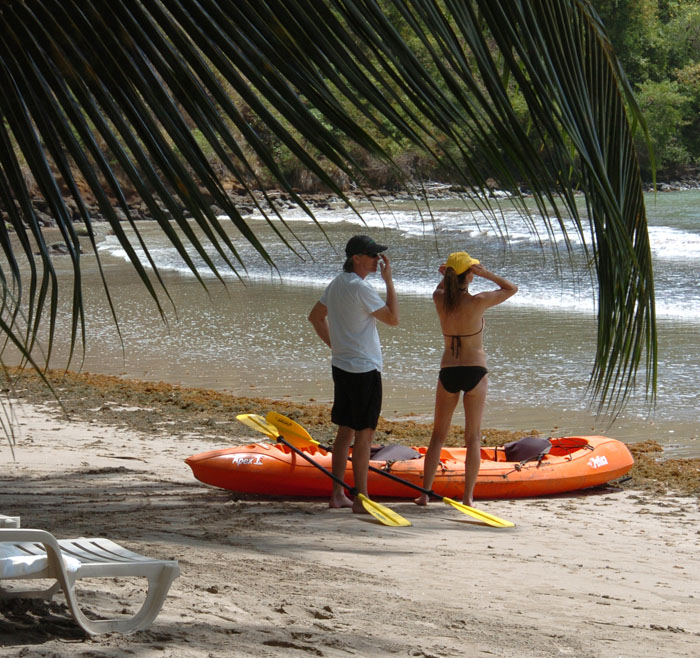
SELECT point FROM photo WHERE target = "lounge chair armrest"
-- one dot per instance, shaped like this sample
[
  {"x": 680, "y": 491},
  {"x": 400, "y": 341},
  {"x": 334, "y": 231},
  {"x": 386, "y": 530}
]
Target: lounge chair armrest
[
  {"x": 9, "y": 521},
  {"x": 30, "y": 534}
]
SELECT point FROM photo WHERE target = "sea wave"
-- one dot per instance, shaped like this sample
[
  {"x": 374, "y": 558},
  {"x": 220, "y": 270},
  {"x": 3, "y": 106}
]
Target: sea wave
[
  {"x": 510, "y": 226},
  {"x": 570, "y": 290},
  {"x": 506, "y": 225},
  {"x": 669, "y": 243}
]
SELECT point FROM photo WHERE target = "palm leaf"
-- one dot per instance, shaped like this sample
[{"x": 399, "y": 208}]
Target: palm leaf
[{"x": 95, "y": 91}]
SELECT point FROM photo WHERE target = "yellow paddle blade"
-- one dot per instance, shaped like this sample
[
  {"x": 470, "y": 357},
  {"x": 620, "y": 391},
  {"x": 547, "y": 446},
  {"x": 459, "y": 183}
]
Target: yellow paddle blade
[
  {"x": 293, "y": 432},
  {"x": 382, "y": 514},
  {"x": 485, "y": 517},
  {"x": 257, "y": 422}
]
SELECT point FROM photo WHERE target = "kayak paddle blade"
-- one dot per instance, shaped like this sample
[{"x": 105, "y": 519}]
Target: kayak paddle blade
[
  {"x": 383, "y": 514},
  {"x": 293, "y": 432},
  {"x": 257, "y": 422},
  {"x": 482, "y": 516}
]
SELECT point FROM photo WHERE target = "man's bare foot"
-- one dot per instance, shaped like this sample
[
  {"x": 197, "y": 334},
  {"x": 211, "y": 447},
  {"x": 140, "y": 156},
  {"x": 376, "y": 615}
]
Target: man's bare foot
[
  {"x": 358, "y": 507},
  {"x": 468, "y": 502},
  {"x": 422, "y": 499},
  {"x": 339, "y": 501}
]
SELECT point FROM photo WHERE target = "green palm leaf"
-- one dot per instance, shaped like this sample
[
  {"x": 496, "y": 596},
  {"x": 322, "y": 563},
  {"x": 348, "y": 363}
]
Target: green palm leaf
[{"x": 98, "y": 92}]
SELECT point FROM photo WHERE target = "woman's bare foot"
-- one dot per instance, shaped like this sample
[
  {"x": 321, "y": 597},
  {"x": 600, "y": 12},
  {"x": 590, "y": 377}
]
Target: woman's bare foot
[
  {"x": 468, "y": 502},
  {"x": 339, "y": 501},
  {"x": 422, "y": 499}
]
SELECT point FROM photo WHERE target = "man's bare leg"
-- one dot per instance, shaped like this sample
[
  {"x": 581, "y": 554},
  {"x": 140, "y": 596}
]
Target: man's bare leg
[
  {"x": 339, "y": 461},
  {"x": 360, "y": 465}
]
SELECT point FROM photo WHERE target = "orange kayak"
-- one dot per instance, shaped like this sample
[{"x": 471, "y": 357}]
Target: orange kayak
[{"x": 565, "y": 464}]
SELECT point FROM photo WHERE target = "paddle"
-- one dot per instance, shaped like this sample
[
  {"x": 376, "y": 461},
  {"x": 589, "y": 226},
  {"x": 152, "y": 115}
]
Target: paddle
[
  {"x": 380, "y": 512},
  {"x": 296, "y": 432}
]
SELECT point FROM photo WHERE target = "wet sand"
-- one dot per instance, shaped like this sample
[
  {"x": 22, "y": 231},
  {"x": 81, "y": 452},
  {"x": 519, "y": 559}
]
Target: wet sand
[{"x": 598, "y": 574}]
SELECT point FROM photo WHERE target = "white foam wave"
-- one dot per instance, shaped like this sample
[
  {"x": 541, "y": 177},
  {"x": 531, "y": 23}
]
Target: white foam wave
[
  {"x": 668, "y": 243},
  {"x": 508, "y": 225},
  {"x": 537, "y": 293}
]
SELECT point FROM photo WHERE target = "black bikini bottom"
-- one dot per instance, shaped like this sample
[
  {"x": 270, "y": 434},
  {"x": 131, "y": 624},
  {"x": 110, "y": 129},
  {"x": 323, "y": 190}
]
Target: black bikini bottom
[{"x": 461, "y": 378}]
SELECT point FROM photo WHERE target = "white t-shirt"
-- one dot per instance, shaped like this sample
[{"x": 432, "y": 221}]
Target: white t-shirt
[{"x": 350, "y": 301}]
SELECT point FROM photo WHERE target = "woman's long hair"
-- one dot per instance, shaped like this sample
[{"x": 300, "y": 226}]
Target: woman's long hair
[{"x": 452, "y": 288}]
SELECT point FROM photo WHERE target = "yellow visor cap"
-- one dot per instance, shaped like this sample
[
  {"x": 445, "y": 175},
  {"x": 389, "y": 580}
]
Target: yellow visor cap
[{"x": 460, "y": 261}]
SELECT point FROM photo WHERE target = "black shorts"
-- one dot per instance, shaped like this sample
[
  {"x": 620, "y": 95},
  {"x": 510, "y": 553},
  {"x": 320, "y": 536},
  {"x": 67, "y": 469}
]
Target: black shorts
[
  {"x": 461, "y": 378},
  {"x": 357, "y": 399}
]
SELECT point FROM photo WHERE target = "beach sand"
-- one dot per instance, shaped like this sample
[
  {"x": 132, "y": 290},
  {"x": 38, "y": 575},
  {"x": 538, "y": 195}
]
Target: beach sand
[{"x": 593, "y": 574}]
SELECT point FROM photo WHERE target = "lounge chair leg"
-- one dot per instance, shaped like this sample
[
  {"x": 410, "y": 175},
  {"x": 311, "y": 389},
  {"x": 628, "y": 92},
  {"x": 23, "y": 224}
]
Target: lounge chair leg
[{"x": 158, "y": 586}]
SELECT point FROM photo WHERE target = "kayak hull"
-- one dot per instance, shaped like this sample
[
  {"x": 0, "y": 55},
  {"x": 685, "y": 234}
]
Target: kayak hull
[{"x": 573, "y": 463}]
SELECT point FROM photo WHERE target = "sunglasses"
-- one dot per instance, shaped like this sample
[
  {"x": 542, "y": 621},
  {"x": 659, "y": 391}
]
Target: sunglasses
[{"x": 372, "y": 255}]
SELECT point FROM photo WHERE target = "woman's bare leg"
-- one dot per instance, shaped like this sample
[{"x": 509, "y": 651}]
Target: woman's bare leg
[
  {"x": 474, "y": 402},
  {"x": 445, "y": 404},
  {"x": 339, "y": 462}
]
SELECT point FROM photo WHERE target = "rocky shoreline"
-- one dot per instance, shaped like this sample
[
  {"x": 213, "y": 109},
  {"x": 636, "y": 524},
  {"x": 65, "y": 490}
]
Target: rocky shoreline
[{"x": 281, "y": 200}]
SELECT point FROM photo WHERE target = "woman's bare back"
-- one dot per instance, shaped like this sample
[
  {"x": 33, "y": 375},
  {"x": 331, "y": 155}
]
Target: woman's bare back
[{"x": 463, "y": 331}]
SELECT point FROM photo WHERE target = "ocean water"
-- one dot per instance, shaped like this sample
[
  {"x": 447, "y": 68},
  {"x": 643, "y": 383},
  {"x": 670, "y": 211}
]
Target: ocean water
[
  {"x": 251, "y": 335},
  {"x": 419, "y": 242}
]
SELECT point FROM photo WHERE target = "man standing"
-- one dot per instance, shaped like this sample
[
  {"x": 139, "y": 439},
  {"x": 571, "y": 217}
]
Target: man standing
[{"x": 345, "y": 318}]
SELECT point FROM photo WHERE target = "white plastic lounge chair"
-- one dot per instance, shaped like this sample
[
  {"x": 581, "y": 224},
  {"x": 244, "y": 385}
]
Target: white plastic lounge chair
[{"x": 34, "y": 554}]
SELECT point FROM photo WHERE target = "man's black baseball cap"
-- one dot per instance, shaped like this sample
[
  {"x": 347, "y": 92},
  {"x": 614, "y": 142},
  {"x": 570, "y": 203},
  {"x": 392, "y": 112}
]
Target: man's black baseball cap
[{"x": 363, "y": 244}]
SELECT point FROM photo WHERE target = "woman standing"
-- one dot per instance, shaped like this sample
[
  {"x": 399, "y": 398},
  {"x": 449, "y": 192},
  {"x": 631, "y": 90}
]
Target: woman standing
[{"x": 463, "y": 364}]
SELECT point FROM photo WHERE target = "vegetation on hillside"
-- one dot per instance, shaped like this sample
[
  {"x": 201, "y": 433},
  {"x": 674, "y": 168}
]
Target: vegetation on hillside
[{"x": 658, "y": 43}]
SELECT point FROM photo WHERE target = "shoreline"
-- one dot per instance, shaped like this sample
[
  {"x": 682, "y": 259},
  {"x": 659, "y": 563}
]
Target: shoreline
[
  {"x": 281, "y": 199},
  {"x": 159, "y": 408},
  {"x": 604, "y": 573},
  {"x": 257, "y": 352}
]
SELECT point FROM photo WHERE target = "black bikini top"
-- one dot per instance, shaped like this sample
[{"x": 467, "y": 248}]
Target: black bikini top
[{"x": 456, "y": 342}]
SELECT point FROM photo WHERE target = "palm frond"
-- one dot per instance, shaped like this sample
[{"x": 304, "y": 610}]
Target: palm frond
[{"x": 95, "y": 90}]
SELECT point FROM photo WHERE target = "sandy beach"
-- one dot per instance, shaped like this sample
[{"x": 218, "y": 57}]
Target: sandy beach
[{"x": 595, "y": 574}]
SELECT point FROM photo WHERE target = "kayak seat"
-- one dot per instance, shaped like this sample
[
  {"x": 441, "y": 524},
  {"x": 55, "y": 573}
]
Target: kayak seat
[
  {"x": 446, "y": 454},
  {"x": 568, "y": 444},
  {"x": 495, "y": 454},
  {"x": 529, "y": 448},
  {"x": 393, "y": 453}
]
